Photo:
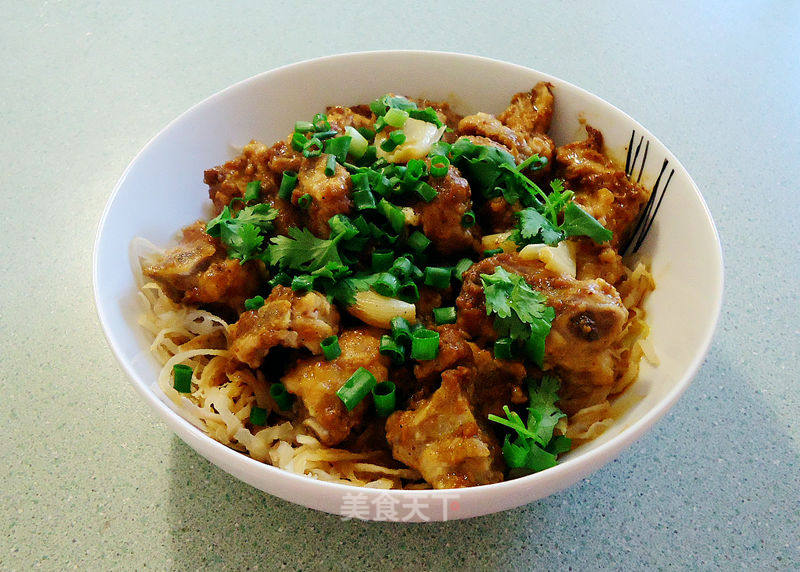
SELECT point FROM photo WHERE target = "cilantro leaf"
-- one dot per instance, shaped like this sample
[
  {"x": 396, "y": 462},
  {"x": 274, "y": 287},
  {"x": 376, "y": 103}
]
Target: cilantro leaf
[
  {"x": 301, "y": 250},
  {"x": 534, "y": 227},
  {"x": 521, "y": 313},
  {"x": 483, "y": 165},
  {"x": 242, "y": 242},
  {"x": 242, "y": 234},
  {"x": 543, "y": 413},
  {"x": 260, "y": 215},
  {"x": 344, "y": 291},
  {"x": 577, "y": 222},
  {"x": 253, "y": 191},
  {"x": 534, "y": 448}
]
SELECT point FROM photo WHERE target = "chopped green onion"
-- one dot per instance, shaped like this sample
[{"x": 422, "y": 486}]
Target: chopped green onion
[
  {"x": 258, "y": 415},
  {"x": 340, "y": 224},
  {"x": 326, "y": 134},
  {"x": 396, "y": 351},
  {"x": 396, "y": 117},
  {"x": 379, "y": 124},
  {"x": 437, "y": 277},
  {"x": 320, "y": 122},
  {"x": 401, "y": 267},
  {"x": 366, "y": 133},
  {"x": 387, "y": 285},
  {"x": 439, "y": 166},
  {"x": 253, "y": 191},
  {"x": 468, "y": 219},
  {"x": 461, "y": 266},
  {"x": 298, "y": 141},
  {"x": 338, "y": 147},
  {"x": 305, "y": 201},
  {"x": 418, "y": 241},
  {"x": 395, "y": 216},
  {"x": 534, "y": 349},
  {"x": 377, "y": 107},
  {"x": 415, "y": 170},
  {"x": 254, "y": 303},
  {"x": 446, "y": 315},
  {"x": 288, "y": 183},
  {"x": 424, "y": 344},
  {"x": 369, "y": 155},
  {"x": 302, "y": 283},
  {"x": 398, "y": 137},
  {"x": 416, "y": 274},
  {"x": 330, "y": 165},
  {"x": 440, "y": 148},
  {"x": 382, "y": 260},
  {"x": 358, "y": 143},
  {"x": 502, "y": 348},
  {"x": 408, "y": 292},
  {"x": 384, "y": 398},
  {"x": 303, "y": 126},
  {"x": 312, "y": 148},
  {"x": 356, "y": 388},
  {"x": 427, "y": 192},
  {"x": 183, "y": 378},
  {"x": 395, "y": 138},
  {"x": 363, "y": 200},
  {"x": 360, "y": 181},
  {"x": 282, "y": 398},
  {"x": 330, "y": 347},
  {"x": 492, "y": 252},
  {"x": 401, "y": 331}
]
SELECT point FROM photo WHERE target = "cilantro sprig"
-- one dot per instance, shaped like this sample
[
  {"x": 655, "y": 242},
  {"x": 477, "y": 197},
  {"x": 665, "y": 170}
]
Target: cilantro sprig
[
  {"x": 494, "y": 172},
  {"x": 303, "y": 251},
  {"x": 540, "y": 223},
  {"x": 535, "y": 448},
  {"x": 520, "y": 312},
  {"x": 243, "y": 233}
]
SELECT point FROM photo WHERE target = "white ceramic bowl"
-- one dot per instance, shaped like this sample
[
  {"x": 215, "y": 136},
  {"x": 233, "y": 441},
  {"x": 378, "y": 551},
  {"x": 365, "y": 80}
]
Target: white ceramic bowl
[{"x": 162, "y": 190}]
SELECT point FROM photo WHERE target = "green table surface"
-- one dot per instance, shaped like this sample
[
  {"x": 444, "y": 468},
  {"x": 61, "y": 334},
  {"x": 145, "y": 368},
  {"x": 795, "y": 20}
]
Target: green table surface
[{"x": 91, "y": 480}]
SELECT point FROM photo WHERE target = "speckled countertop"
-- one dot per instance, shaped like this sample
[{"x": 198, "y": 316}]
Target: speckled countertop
[{"x": 91, "y": 480}]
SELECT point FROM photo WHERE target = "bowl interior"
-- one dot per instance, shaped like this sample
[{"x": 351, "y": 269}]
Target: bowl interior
[{"x": 162, "y": 190}]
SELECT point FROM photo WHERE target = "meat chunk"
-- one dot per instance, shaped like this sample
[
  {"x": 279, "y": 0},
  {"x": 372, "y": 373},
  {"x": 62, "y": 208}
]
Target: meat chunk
[
  {"x": 488, "y": 126},
  {"x": 358, "y": 116},
  {"x": 589, "y": 313},
  {"x": 453, "y": 351},
  {"x": 601, "y": 187},
  {"x": 530, "y": 114},
  {"x": 256, "y": 163},
  {"x": 286, "y": 319},
  {"x": 330, "y": 195},
  {"x": 497, "y": 382},
  {"x": 442, "y": 439},
  {"x": 530, "y": 111},
  {"x": 498, "y": 215},
  {"x": 441, "y": 218},
  {"x": 316, "y": 380},
  {"x": 521, "y": 128},
  {"x": 197, "y": 271}
]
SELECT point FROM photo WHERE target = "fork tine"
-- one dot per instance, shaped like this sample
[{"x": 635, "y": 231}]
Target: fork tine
[
  {"x": 628, "y": 169},
  {"x": 655, "y": 212},
  {"x": 644, "y": 160}
]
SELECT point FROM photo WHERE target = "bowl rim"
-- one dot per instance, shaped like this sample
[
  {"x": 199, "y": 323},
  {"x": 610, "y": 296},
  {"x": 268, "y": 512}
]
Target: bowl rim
[{"x": 583, "y": 465}]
